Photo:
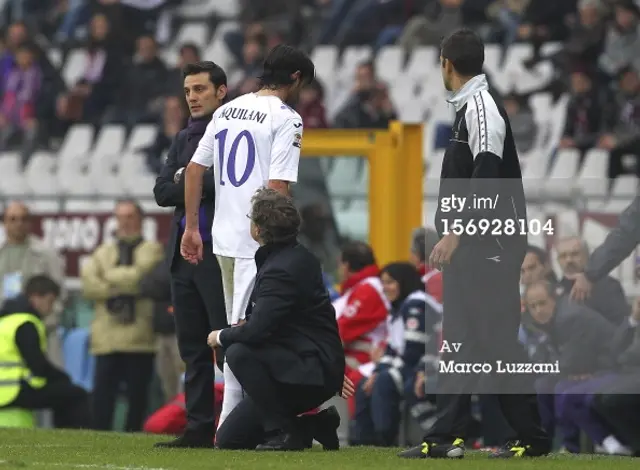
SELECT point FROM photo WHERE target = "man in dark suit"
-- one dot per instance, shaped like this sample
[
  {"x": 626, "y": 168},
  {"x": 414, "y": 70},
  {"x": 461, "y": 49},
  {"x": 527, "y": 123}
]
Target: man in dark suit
[
  {"x": 196, "y": 290},
  {"x": 288, "y": 356}
]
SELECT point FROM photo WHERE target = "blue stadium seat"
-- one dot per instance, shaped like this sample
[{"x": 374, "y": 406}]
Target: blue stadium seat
[{"x": 78, "y": 362}]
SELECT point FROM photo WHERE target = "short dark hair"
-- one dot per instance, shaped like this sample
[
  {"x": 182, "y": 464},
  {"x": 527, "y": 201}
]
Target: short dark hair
[
  {"x": 217, "y": 76},
  {"x": 358, "y": 255},
  {"x": 539, "y": 253},
  {"x": 283, "y": 61},
  {"x": 41, "y": 285},
  {"x": 465, "y": 50},
  {"x": 192, "y": 47},
  {"x": 549, "y": 288},
  {"x": 275, "y": 215}
]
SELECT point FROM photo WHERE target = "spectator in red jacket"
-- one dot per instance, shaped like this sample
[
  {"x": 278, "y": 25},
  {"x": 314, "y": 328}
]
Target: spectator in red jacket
[
  {"x": 361, "y": 309},
  {"x": 422, "y": 243}
]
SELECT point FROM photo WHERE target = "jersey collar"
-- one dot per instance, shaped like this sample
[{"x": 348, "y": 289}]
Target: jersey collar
[{"x": 473, "y": 86}]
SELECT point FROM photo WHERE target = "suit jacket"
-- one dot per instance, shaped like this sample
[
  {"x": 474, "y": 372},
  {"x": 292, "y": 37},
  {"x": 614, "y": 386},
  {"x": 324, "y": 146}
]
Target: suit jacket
[
  {"x": 170, "y": 194},
  {"x": 582, "y": 338},
  {"x": 290, "y": 319}
]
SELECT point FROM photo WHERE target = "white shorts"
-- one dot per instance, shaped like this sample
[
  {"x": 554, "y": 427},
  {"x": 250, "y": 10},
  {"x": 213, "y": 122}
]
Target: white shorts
[{"x": 238, "y": 279}]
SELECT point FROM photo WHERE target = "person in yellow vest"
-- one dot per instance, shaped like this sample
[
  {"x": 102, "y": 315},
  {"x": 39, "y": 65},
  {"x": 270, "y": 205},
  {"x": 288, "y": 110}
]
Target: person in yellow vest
[{"x": 28, "y": 379}]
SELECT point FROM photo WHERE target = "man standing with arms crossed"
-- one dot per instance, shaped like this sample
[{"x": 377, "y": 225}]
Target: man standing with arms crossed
[
  {"x": 197, "y": 294},
  {"x": 481, "y": 268},
  {"x": 251, "y": 142}
]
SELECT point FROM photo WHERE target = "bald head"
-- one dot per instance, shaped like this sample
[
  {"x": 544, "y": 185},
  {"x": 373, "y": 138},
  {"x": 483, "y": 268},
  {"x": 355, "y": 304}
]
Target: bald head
[{"x": 16, "y": 222}]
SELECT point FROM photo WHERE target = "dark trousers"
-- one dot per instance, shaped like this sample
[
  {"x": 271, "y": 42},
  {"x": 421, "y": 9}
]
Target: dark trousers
[
  {"x": 198, "y": 302},
  {"x": 243, "y": 428},
  {"x": 482, "y": 315},
  {"x": 619, "y": 405},
  {"x": 616, "y": 164},
  {"x": 279, "y": 404},
  {"x": 70, "y": 403},
  {"x": 134, "y": 371}
]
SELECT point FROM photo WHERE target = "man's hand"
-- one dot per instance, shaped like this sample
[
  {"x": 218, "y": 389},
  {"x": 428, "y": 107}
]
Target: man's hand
[
  {"x": 368, "y": 385},
  {"x": 191, "y": 246},
  {"x": 607, "y": 142},
  {"x": 212, "y": 339},
  {"x": 348, "y": 388},
  {"x": 443, "y": 251},
  {"x": 418, "y": 387},
  {"x": 581, "y": 288},
  {"x": 567, "y": 142}
]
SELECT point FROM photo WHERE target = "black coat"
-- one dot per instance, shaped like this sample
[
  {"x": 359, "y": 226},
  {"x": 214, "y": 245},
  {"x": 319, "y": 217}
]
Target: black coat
[
  {"x": 170, "y": 194},
  {"x": 291, "y": 320}
]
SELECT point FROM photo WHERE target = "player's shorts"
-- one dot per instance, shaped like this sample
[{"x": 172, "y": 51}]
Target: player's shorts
[{"x": 238, "y": 279}]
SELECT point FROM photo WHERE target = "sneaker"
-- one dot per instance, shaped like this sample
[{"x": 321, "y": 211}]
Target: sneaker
[
  {"x": 516, "y": 449},
  {"x": 425, "y": 450}
]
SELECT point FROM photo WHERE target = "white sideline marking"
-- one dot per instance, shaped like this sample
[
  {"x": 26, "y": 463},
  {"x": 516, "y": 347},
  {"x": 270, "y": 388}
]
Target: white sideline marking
[{"x": 86, "y": 465}]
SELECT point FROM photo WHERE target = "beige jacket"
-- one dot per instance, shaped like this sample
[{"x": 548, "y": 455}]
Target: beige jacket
[{"x": 102, "y": 279}]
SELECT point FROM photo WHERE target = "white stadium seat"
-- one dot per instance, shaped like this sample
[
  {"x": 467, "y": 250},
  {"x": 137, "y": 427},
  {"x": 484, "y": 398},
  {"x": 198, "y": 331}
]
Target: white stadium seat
[
  {"x": 73, "y": 67},
  {"x": 625, "y": 186},
  {"x": 562, "y": 182},
  {"x": 12, "y": 182},
  {"x": 389, "y": 63},
  {"x": 40, "y": 174},
  {"x": 590, "y": 180}
]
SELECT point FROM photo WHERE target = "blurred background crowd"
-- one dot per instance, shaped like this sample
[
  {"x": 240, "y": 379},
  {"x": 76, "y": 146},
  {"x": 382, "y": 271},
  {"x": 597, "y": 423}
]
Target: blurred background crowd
[{"x": 92, "y": 98}]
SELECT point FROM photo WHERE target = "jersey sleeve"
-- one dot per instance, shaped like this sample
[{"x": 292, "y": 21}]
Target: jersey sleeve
[
  {"x": 205, "y": 153},
  {"x": 285, "y": 152}
]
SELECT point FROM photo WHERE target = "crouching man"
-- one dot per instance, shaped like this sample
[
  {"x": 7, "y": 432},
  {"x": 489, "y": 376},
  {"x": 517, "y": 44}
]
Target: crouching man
[
  {"x": 28, "y": 379},
  {"x": 288, "y": 356}
]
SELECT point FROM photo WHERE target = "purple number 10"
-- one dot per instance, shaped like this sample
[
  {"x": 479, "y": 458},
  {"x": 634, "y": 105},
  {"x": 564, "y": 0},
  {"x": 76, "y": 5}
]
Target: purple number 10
[{"x": 221, "y": 137}]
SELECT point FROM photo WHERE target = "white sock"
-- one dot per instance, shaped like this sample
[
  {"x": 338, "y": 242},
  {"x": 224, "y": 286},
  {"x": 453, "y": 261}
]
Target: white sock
[
  {"x": 614, "y": 447},
  {"x": 232, "y": 394}
]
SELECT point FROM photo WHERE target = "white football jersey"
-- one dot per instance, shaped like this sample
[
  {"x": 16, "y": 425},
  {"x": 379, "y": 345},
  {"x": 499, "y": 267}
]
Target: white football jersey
[{"x": 249, "y": 141}]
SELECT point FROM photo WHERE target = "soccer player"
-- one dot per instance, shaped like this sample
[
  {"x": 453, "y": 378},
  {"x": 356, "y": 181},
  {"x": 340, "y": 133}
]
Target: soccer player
[{"x": 251, "y": 142}]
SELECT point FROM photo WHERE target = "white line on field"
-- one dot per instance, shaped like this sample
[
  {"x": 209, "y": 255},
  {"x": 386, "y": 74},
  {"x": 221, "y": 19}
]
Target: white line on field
[{"x": 86, "y": 465}]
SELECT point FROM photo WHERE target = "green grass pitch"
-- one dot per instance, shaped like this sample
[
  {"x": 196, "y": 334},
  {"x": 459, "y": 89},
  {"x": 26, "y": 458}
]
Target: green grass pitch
[{"x": 61, "y": 450}]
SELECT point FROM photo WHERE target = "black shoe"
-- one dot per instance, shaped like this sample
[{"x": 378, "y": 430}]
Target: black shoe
[
  {"x": 517, "y": 449},
  {"x": 188, "y": 441},
  {"x": 326, "y": 431},
  {"x": 455, "y": 450},
  {"x": 283, "y": 442}
]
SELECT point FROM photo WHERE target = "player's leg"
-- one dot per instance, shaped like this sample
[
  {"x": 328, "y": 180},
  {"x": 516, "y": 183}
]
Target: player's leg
[{"x": 243, "y": 276}]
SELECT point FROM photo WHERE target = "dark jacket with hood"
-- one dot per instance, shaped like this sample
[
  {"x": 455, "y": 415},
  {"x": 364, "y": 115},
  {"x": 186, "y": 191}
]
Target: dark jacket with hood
[{"x": 28, "y": 342}]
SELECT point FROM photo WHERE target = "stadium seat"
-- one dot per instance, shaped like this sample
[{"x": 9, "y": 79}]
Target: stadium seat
[
  {"x": 141, "y": 136},
  {"x": 342, "y": 177},
  {"x": 17, "y": 418},
  {"x": 325, "y": 59},
  {"x": 561, "y": 182},
  {"x": 432, "y": 175},
  {"x": 218, "y": 49},
  {"x": 197, "y": 9},
  {"x": 625, "y": 187},
  {"x": 353, "y": 221},
  {"x": 135, "y": 178},
  {"x": 196, "y": 33},
  {"x": 12, "y": 182},
  {"x": 78, "y": 362},
  {"x": 422, "y": 63},
  {"x": 389, "y": 63},
  {"x": 591, "y": 179},
  {"x": 40, "y": 174},
  {"x": 226, "y": 8},
  {"x": 104, "y": 160},
  {"x": 77, "y": 142}
]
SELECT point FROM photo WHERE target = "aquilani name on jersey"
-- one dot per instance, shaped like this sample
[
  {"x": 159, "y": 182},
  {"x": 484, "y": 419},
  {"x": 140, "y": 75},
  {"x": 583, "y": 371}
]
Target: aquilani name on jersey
[{"x": 242, "y": 114}]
